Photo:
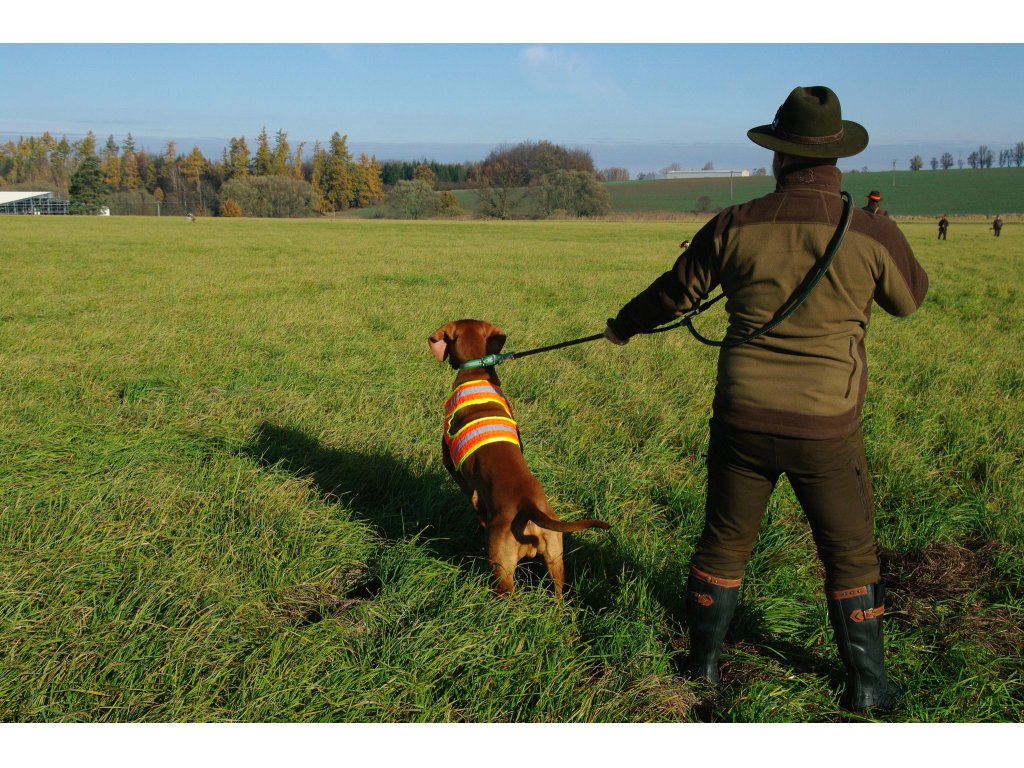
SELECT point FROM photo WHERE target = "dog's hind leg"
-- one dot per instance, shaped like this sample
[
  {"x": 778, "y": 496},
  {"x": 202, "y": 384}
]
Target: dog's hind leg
[{"x": 553, "y": 559}]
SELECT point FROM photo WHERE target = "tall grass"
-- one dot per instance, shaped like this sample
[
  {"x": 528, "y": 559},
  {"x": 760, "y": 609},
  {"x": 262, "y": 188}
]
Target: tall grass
[{"x": 221, "y": 495}]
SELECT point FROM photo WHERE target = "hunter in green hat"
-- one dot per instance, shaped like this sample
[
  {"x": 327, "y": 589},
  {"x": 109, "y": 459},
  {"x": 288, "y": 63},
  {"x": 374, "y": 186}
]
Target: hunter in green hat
[{"x": 790, "y": 400}]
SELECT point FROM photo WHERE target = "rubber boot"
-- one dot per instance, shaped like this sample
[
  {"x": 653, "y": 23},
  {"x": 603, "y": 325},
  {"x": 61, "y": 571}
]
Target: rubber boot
[
  {"x": 856, "y": 617},
  {"x": 710, "y": 604}
]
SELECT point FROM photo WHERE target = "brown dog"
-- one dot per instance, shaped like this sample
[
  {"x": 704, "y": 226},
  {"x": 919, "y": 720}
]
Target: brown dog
[{"x": 482, "y": 452}]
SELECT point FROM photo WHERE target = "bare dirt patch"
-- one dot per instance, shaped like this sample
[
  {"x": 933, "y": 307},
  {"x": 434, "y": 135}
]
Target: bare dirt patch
[
  {"x": 945, "y": 588},
  {"x": 334, "y": 598}
]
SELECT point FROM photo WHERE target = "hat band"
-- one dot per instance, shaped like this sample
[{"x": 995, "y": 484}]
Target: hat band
[{"x": 798, "y": 139}]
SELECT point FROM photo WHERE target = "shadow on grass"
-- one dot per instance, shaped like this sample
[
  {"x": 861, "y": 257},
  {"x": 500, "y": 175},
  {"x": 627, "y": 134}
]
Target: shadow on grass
[{"x": 378, "y": 490}]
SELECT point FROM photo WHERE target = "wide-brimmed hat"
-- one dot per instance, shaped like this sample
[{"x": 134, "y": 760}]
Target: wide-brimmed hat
[
  {"x": 873, "y": 195},
  {"x": 810, "y": 124}
]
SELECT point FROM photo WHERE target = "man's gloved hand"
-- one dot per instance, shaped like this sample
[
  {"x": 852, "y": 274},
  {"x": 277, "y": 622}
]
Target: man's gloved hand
[{"x": 612, "y": 337}]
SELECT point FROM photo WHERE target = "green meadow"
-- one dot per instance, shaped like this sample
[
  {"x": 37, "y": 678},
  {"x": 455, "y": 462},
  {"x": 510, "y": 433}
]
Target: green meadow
[
  {"x": 956, "y": 192},
  {"x": 222, "y": 497}
]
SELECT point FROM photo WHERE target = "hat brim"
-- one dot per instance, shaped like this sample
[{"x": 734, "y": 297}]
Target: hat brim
[{"x": 853, "y": 141}]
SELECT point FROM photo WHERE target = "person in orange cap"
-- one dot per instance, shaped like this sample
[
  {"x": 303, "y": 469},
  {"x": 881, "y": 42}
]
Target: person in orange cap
[{"x": 873, "y": 206}]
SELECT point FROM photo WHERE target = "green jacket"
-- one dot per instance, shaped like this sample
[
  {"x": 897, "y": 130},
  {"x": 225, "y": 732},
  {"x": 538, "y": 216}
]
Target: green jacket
[{"x": 806, "y": 377}]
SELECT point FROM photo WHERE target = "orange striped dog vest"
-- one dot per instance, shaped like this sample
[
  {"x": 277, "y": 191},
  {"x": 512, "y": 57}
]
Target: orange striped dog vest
[{"x": 477, "y": 433}]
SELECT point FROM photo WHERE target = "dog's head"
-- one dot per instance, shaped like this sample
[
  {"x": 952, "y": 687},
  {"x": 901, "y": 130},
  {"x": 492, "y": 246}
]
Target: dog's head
[{"x": 463, "y": 340}]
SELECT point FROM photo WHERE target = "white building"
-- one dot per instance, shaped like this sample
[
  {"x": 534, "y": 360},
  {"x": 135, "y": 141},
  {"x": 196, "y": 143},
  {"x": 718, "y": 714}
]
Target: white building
[
  {"x": 22, "y": 202},
  {"x": 706, "y": 174}
]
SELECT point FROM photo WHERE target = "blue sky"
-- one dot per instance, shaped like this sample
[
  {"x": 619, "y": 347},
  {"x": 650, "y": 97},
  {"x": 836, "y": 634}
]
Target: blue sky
[{"x": 636, "y": 102}]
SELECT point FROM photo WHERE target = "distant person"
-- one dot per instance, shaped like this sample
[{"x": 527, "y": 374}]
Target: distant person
[
  {"x": 873, "y": 206},
  {"x": 685, "y": 244},
  {"x": 997, "y": 225},
  {"x": 943, "y": 226}
]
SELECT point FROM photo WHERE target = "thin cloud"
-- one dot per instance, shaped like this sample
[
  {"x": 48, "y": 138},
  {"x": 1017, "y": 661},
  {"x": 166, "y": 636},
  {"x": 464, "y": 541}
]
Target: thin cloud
[{"x": 562, "y": 69}]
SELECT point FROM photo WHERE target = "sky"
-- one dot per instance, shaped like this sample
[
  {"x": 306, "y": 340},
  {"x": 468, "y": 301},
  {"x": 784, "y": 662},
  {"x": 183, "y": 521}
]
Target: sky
[{"x": 641, "y": 92}]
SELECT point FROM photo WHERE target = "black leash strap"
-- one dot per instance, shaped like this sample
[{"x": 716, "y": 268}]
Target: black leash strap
[
  {"x": 538, "y": 350},
  {"x": 794, "y": 301},
  {"x": 784, "y": 312}
]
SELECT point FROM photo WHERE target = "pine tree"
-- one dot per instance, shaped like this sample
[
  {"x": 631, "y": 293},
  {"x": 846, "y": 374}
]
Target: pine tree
[
  {"x": 238, "y": 158},
  {"x": 337, "y": 186},
  {"x": 282, "y": 153},
  {"x": 263, "y": 162},
  {"x": 111, "y": 164},
  {"x": 129, "y": 164},
  {"x": 317, "y": 178},
  {"x": 368, "y": 185},
  {"x": 297, "y": 161},
  {"x": 86, "y": 189}
]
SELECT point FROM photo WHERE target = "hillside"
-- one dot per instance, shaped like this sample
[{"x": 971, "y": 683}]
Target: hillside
[{"x": 957, "y": 192}]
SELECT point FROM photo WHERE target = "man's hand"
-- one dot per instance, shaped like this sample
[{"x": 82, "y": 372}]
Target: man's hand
[{"x": 610, "y": 335}]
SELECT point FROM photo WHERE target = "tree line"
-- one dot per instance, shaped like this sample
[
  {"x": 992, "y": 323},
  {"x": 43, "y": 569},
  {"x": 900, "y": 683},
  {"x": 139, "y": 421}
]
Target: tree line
[
  {"x": 278, "y": 179},
  {"x": 982, "y": 157}
]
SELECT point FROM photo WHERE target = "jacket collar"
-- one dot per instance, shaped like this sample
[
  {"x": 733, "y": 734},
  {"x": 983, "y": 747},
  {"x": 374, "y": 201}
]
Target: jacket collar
[{"x": 810, "y": 175}]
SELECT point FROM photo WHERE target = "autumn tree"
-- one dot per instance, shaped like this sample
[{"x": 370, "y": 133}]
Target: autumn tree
[
  {"x": 150, "y": 179},
  {"x": 333, "y": 185},
  {"x": 508, "y": 171},
  {"x": 192, "y": 168},
  {"x": 110, "y": 164},
  {"x": 263, "y": 160},
  {"x": 946, "y": 161},
  {"x": 85, "y": 147},
  {"x": 238, "y": 158},
  {"x": 575, "y": 193},
  {"x": 413, "y": 200},
  {"x": 129, "y": 164},
  {"x": 614, "y": 174},
  {"x": 424, "y": 172},
  {"x": 282, "y": 154},
  {"x": 268, "y": 196},
  {"x": 297, "y": 161},
  {"x": 366, "y": 182},
  {"x": 170, "y": 172},
  {"x": 916, "y": 163}
]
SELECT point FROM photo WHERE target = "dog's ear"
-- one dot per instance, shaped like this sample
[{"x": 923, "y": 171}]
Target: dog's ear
[
  {"x": 440, "y": 339},
  {"x": 495, "y": 340}
]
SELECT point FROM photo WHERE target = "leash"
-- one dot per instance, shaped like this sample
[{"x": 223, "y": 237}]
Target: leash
[
  {"x": 784, "y": 312},
  {"x": 489, "y": 360}
]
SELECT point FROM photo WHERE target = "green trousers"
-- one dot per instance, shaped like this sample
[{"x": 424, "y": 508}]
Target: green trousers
[{"x": 830, "y": 480}]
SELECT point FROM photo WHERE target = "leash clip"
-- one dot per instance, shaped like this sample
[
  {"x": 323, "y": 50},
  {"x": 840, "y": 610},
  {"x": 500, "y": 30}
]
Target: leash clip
[{"x": 486, "y": 361}]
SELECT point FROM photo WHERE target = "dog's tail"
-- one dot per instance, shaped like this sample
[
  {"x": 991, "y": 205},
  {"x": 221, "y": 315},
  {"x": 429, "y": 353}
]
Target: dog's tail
[{"x": 544, "y": 520}]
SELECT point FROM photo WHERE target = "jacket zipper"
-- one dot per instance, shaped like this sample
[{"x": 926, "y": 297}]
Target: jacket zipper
[{"x": 853, "y": 359}]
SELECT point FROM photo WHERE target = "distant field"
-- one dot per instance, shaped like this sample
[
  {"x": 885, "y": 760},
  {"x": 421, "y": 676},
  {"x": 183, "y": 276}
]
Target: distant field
[
  {"x": 960, "y": 192},
  {"x": 222, "y": 499}
]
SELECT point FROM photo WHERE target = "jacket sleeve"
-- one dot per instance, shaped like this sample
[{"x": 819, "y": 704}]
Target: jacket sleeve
[
  {"x": 681, "y": 288},
  {"x": 902, "y": 282}
]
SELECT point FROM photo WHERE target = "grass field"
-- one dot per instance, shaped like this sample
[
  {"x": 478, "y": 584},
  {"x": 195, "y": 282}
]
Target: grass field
[
  {"x": 222, "y": 499},
  {"x": 966, "y": 192},
  {"x": 929, "y": 194}
]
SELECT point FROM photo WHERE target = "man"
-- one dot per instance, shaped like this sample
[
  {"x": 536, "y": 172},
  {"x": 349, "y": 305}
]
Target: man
[
  {"x": 943, "y": 226},
  {"x": 997, "y": 225},
  {"x": 873, "y": 206},
  {"x": 790, "y": 400}
]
